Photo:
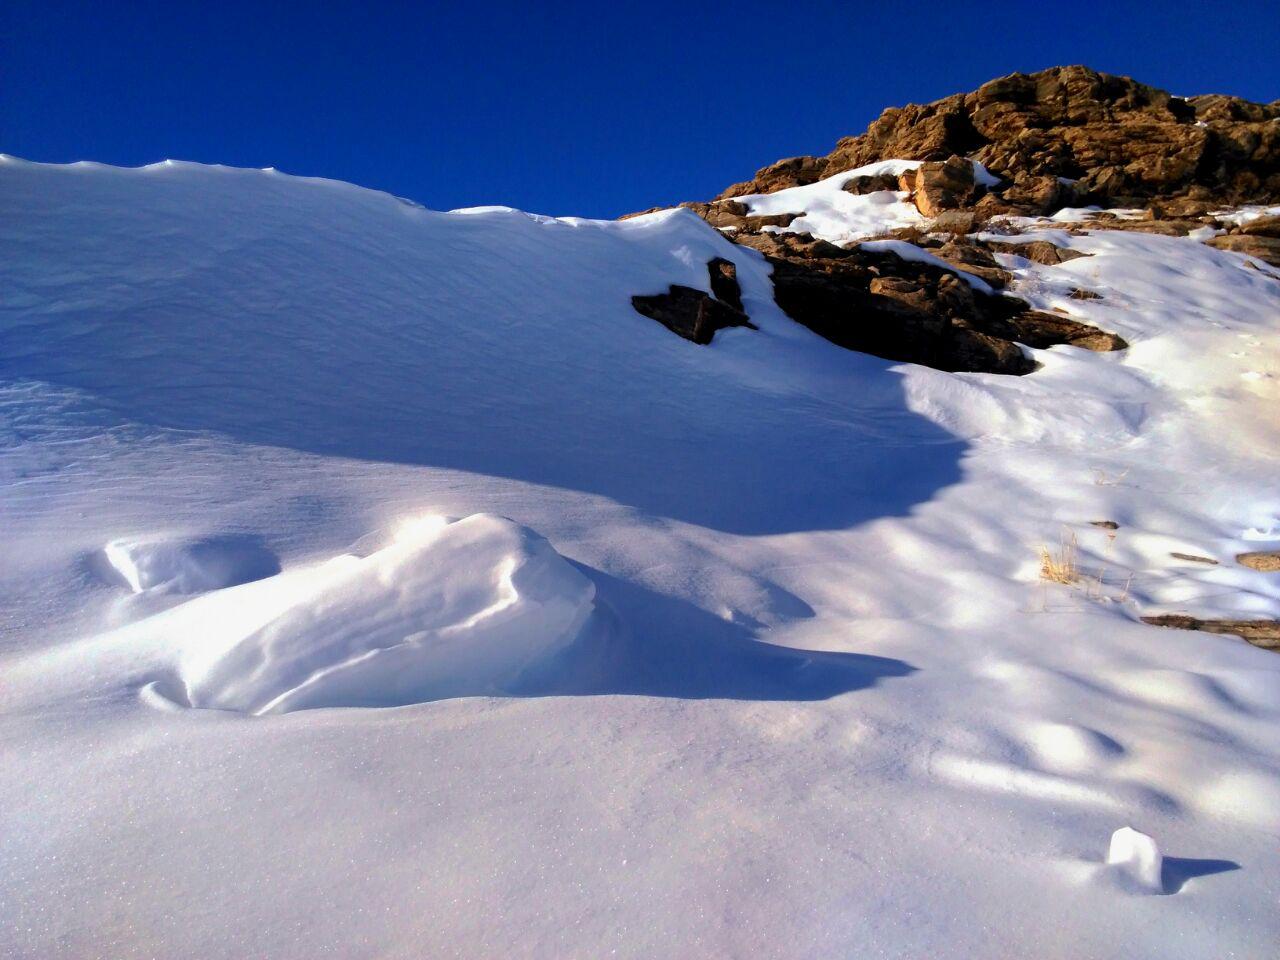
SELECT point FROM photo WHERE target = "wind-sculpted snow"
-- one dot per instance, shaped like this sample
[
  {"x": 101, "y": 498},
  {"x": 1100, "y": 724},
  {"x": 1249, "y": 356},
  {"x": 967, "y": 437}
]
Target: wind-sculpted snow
[
  {"x": 445, "y": 610},
  {"x": 179, "y": 565},
  {"x": 783, "y": 680}
]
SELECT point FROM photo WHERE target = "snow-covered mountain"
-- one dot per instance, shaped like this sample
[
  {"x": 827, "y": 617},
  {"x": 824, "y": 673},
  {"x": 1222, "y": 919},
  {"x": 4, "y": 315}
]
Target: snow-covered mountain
[{"x": 382, "y": 582}]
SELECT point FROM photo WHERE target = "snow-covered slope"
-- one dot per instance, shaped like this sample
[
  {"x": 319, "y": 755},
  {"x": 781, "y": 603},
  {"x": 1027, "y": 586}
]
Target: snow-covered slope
[{"x": 782, "y": 679}]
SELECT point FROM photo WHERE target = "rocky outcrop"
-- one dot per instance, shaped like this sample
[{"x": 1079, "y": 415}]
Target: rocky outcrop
[
  {"x": 876, "y": 302},
  {"x": 938, "y": 186},
  {"x": 1067, "y": 136},
  {"x": 695, "y": 314},
  {"x": 1115, "y": 141}
]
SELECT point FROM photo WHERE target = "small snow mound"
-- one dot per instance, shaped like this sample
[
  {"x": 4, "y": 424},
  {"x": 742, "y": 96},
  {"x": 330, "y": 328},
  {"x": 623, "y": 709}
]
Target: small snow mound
[
  {"x": 1136, "y": 860},
  {"x": 187, "y": 566},
  {"x": 447, "y": 609}
]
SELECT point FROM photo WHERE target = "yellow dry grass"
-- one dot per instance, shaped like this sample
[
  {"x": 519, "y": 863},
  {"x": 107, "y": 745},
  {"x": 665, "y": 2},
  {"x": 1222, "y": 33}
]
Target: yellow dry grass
[{"x": 1059, "y": 566}]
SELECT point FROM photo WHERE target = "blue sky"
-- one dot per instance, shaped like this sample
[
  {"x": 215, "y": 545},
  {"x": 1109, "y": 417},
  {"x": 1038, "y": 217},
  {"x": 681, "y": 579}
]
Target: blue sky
[{"x": 571, "y": 108}]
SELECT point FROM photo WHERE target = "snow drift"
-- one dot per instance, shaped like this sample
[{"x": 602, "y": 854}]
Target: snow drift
[
  {"x": 164, "y": 565},
  {"x": 448, "y": 609}
]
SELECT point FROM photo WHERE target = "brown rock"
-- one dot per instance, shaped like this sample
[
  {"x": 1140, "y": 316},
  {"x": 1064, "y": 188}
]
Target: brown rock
[
  {"x": 1260, "y": 633},
  {"x": 1163, "y": 228},
  {"x": 772, "y": 220},
  {"x": 1181, "y": 208},
  {"x": 694, "y": 314},
  {"x": 792, "y": 172},
  {"x": 1122, "y": 141},
  {"x": 1268, "y": 561},
  {"x": 1266, "y": 249},
  {"x": 871, "y": 184},
  {"x": 1262, "y": 227},
  {"x": 1038, "y": 194},
  {"x": 971, "y": 257},
  {"x": 954, "y": 221},
  {"x": 943, "y": 186},
  {"x": 1038, "y": 251}
]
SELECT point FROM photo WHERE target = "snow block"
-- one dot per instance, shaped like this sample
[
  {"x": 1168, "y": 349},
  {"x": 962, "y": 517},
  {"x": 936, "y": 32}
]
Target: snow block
[
  {"x": 1136, "y": 860},
  {"x": 448, "y": 609}
]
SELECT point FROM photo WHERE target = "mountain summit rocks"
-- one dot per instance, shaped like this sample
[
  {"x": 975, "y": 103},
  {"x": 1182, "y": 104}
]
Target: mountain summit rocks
[
  {"x": 1118, "y": 142},
  {"x": 955, "y": 173}
]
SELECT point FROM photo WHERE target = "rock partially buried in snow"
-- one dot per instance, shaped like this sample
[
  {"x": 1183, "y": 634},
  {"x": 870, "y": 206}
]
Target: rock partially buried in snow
[
  {"x": 1136, "y": 860},
  {"x": 446, "y": 610},
  {"x": 187, "y": 566}
]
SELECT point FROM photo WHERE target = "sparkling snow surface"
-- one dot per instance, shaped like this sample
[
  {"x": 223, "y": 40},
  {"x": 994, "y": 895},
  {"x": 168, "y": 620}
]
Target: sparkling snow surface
[{"x": 781, "y": 681}]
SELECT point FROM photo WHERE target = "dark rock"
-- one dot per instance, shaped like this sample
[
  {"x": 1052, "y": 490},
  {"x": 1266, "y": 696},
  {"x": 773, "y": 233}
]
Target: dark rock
[
  {"x": 1192, "y": 558},
  {"x": 954, "y": 221},
  {"x": 972, "y": 257},
  {"x": 1105, "y": 524},
  {"x": 1038, "y": 251},
  {"x": 1038, "y": 194},
  {"x": 1079, "y": 293},
  {"x": 876, "y": 302},
  {"x": 723, "y": 275},
  {"x": 871, "y": 184},
  {"x": 695, "y": 315}
]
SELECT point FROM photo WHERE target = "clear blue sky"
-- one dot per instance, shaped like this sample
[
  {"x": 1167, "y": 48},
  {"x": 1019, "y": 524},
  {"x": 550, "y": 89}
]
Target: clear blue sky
[{"x": 584, "y": 108}]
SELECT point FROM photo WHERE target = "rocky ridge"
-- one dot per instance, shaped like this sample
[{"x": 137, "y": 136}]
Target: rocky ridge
[
  {"x": 1116, "y": 141},
  {"x": 1063, "y": 137}
]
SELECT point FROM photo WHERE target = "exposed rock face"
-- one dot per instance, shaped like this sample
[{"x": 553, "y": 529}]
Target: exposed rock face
[
  {"x": 696, "y": 315},
  {"x": 1067, "y": 136},
  {"x": 1120, "y": 141},
  {"x": 879, "y": 303},
  {"x": 942, "y": 186}
]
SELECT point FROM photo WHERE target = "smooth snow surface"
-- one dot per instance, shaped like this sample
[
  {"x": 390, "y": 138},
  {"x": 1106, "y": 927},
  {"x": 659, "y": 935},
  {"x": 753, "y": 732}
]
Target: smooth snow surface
[{"x": 781, "y": 681}]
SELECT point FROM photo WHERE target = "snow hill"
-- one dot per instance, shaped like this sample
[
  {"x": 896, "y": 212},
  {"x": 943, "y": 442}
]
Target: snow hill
[{"x": 379, "y": 583}]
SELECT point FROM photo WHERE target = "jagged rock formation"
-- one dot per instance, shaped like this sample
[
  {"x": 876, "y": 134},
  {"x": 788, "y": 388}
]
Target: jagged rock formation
[
  {"x": 1122, "y": 142},
  {"x": 1067, "y": 136},
  {"x": 876, "y": 302},
  {"x": 694, "y": 314}
]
